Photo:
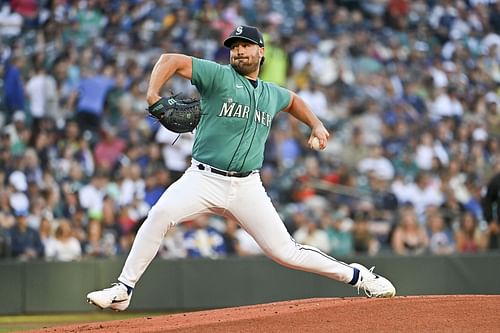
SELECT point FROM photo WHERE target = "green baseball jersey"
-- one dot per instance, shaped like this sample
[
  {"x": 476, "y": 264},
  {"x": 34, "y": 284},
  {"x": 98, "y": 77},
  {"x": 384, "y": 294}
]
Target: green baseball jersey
[{"x": 236, "y": 116}]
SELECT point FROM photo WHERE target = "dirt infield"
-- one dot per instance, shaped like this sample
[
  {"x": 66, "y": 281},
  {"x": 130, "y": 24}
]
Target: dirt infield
[{"x": 464, "y": 313}]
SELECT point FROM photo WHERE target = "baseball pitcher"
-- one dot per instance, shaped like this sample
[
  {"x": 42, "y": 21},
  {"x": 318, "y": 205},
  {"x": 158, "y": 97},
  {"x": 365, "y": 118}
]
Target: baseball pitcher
[{"x": 232, "y": 120}]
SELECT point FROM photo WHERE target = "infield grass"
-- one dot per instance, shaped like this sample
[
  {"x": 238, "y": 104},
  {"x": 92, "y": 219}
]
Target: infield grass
[{"x": 31, "y": 322}]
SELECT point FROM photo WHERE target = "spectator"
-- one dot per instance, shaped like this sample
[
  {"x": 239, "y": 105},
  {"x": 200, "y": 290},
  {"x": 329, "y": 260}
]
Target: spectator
[
  {"x": 26, "y": 243},
  {"x": 493, "y": 113},
  {"x": 202, "y": 240},
  {"x": 91, "y": 98},
  {"x": 134, "y": 97},
  {"x": 469, "y": 237},
  {"x": 79, "y": 224},
  {"x": 155, "y": 185},
  {"x": 172, "y": 246},
  {"x": 109, "y": 149},
  {"x": 4, "y": 237},
  {"x": 152, "y": 162},
  {"x": 14, "y": 86},
  {"x": 29, "y": 11},
  {"x": 447, "y": 104},
  {"x": 230, "y": 237},
  {"x": 422, "y": 193},
  {"x": 451, "y": 208},
  {"x": 32, "y": 168},
  {"x": 381, "y": 208},
  {"x": 287, "y": 146},
  {"x": 405, "y": 166},
  {"x": 111, "y": 229},
  {"x": 65, "y": 246},
  {"x": 133, "y": 185},
  {"x": 371, "y": 119},
  {"x": 42, "y": 95},
  {"x": 363, "y": 239},
  {"x": 409, "y": 237},
  {"x": 175, "y": 156},
  {"x": 440, "y": 238},
  {"x": 46, "y": 232},
  {"x": 276, "y": 68},
  {"x": 491, "y": 211},
  {"x": 18, "y": 200},
  {"x": 338, "y": 228},
  {"x": 439, "y": 78},
  {"x": 315, "y": 99},
  {"x": 15, "y": 129},
  {"x": 354, "y": 150},
  {"x": 116, "y": 101},
  {"x": 96, "y": 245},
  {"x": 396, "y": 139},
  {"x": 310, "y": 233},
  {"x": 377, "y": 163},
  {"x": 91, "y": 196},
  {"x": 304, "y": 189},
  {"x": 11, "y": 22},
  {"x": 427, "y": 149},
  {"x": 243, "y": 244},
  {"x": 474, "y": 205},
  {"x": 70, "y": 202}
]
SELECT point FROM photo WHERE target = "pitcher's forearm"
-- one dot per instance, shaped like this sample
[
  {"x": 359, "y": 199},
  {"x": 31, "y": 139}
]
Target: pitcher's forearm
[
  {"x": 168, "y": 65},
  {"x": 301, "y": 111}
]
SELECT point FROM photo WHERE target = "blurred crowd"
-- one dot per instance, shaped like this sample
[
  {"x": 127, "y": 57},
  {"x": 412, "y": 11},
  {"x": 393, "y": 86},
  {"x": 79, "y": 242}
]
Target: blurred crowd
[{"x": 409, "y": 89}]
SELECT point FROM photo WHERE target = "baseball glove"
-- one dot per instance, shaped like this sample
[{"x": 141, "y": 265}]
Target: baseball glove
[{"x": 176, "y": 114}]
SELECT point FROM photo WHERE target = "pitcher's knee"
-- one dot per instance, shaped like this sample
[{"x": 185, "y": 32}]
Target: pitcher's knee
[{"x": 160, "y": 216}]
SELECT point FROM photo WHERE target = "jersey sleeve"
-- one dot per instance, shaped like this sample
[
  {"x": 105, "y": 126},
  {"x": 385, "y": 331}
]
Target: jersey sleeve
[
  {"x": 205, "y": 75},
  {"x": 283, "y": 97}
]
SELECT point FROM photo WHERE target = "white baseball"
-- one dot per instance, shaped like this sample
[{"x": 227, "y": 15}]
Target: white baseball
[{"x": 315, "y": 144}]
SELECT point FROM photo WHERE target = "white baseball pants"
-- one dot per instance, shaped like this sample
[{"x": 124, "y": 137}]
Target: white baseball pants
[{"x": 245, "y": 199}]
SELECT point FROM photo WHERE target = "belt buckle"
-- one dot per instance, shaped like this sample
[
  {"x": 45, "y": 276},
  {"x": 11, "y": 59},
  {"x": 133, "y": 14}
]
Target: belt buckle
[{"x": 232, "y": 173}]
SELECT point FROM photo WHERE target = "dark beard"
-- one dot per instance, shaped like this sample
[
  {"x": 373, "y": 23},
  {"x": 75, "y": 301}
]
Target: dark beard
[{"x": 244, "y": 70}]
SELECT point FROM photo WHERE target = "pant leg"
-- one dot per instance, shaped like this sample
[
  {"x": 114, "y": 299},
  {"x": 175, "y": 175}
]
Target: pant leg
[
  {"x": 193, "y": 194},
  {"x": 253, "y": 209}
]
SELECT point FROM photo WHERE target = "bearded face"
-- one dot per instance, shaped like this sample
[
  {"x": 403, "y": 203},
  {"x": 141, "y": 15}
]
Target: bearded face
[{"x": 245, "y": 57}]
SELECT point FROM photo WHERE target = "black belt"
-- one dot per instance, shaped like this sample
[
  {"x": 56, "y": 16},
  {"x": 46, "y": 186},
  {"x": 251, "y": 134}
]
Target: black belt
[{"x": 226, "y": 173}]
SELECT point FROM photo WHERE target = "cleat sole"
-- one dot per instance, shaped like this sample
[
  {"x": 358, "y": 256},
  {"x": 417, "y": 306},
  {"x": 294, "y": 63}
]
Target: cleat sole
[{"x": 94, "y": 304}]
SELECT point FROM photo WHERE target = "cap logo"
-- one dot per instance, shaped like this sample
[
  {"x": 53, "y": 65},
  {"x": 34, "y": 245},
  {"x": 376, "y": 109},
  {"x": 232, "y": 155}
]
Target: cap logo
[{"x": 239, "y": 30}]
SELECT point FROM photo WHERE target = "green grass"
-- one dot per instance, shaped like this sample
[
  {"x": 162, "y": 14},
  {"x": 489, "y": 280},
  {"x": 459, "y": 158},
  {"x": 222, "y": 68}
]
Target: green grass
[{"x": 31, "y": 322}]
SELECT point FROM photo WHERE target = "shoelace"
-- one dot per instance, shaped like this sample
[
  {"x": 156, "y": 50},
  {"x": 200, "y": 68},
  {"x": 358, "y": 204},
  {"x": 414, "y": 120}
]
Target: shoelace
[{"x": 362, "y": 284}]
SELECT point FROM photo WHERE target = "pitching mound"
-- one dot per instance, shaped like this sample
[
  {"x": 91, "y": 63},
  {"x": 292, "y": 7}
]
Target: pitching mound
[{"x": 464, "y": 313}]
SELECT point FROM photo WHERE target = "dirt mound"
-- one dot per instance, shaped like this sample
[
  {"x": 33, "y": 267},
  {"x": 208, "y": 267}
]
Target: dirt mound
[{"x": 464, "y": 313}]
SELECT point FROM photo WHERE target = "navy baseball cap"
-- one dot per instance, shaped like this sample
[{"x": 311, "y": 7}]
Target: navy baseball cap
[{"x": 245, "y": 32}]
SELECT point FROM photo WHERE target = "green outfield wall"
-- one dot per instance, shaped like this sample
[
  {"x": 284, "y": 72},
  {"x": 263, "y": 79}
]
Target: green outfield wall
[{"x": 177, "y": 285}]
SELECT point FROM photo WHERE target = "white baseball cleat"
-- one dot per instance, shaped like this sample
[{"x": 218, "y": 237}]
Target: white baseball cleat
[
  {"x": 373, "y": 284},
  {"x": 116, "y": 297}
]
